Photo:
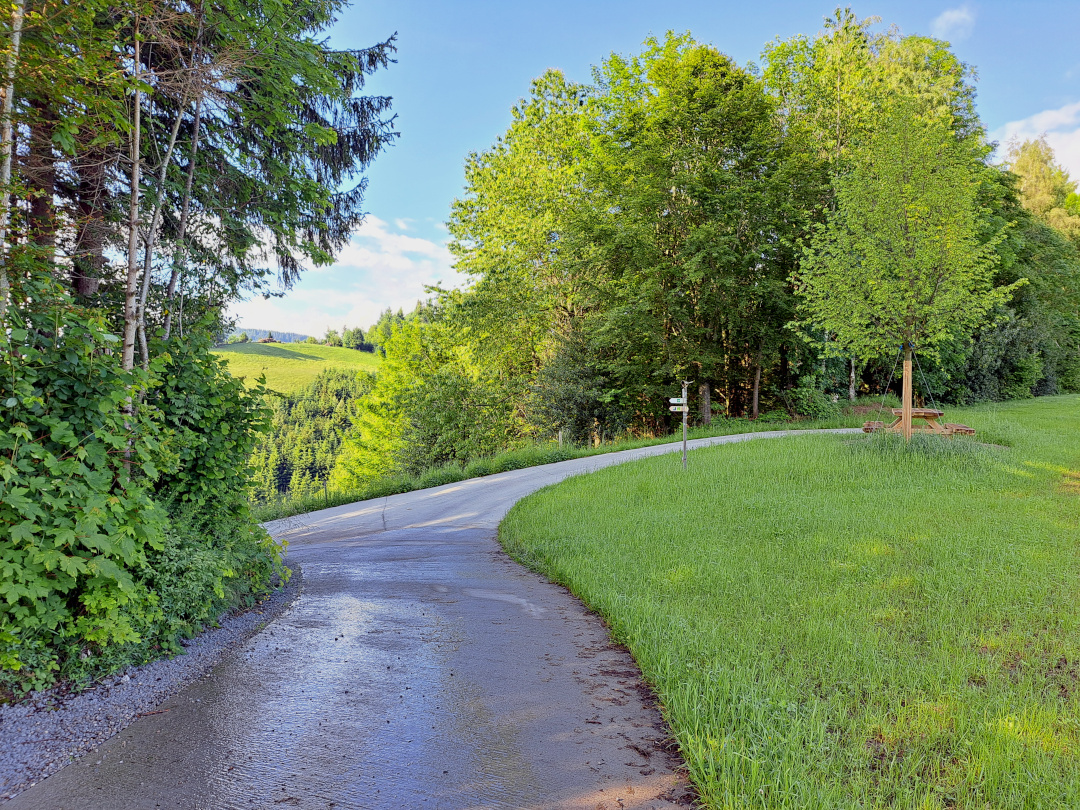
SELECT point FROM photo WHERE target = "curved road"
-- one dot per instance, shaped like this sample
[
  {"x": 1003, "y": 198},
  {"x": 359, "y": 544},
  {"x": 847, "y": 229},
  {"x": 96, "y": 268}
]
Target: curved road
[{"x": 420, "y": 668}]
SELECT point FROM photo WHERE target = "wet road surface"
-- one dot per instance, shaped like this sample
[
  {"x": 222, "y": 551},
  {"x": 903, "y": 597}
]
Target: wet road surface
[{"x": 419, "y": 668}]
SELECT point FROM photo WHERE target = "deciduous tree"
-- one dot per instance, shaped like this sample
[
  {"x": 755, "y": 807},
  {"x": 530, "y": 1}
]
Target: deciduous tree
[{"x": 899, "y": 262}]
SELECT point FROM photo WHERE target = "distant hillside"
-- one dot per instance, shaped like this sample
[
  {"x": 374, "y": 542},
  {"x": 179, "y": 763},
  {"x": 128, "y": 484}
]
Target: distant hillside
[
  {"x": 281, "y": 337},
  {"x": 291, "y": 366}
]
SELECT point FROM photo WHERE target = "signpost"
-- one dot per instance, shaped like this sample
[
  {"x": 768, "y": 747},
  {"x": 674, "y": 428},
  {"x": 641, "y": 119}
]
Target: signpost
[{"x": 678, "y": 405}]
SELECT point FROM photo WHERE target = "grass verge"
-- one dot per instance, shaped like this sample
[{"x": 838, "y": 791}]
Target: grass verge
[
  {"x": 530, "y": 456},
  {"x": 847, "y": 622}
]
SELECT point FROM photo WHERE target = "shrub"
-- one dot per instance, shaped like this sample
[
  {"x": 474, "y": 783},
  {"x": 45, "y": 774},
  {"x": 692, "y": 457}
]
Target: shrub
[{"x": 95, "y": 572}]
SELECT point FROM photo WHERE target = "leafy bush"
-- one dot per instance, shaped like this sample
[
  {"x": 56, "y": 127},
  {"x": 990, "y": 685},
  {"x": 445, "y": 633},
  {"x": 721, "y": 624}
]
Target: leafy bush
[
  {"x": 76, "y": 514},
  {"x": 809, "y": 399},
  {"x": 94, "y": 573}
]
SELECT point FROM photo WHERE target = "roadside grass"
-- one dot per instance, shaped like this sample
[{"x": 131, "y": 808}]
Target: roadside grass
[
  {"x": 529, "y": 456},
  {"x": 290, "y": 366},
  {"x": 842, "y": 621}
]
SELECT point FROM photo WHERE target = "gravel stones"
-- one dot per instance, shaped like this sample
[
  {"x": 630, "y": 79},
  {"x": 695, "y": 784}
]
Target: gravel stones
[{"x": 49, "y": 729}]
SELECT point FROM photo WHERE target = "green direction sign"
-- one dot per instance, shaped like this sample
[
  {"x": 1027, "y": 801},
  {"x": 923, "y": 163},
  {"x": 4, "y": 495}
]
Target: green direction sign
[
  {"x": 678, "y": 408},
  {"x": 677, "y": 401}
]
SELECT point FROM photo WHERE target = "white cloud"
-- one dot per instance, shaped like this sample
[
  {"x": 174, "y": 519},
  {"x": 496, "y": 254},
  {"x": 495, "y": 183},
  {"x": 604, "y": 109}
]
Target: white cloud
[
  {"x": 381, "y": 267},
  {"x": 954, "y": 24},
  {"x": 1061, "y": 128}
]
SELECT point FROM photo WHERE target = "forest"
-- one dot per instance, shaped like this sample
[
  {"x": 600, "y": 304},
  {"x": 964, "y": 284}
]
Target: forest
[{"x": 158, "y": 161}]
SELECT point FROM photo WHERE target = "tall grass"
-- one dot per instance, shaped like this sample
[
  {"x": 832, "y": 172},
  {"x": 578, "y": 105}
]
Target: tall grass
[{"x": 847, "y": 621}]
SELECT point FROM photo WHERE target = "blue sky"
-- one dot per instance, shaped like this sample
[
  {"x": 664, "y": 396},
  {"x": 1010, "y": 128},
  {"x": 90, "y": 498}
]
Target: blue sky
[{"x": 462, "y": 65}]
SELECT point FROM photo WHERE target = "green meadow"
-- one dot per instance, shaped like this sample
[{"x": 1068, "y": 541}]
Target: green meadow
[
  {"x": 846, "y": 621},
  {"x": 290, "y": 366}
]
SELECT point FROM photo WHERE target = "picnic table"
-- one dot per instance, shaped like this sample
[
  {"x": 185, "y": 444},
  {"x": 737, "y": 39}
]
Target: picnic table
[{"x": 928, "y": 422}]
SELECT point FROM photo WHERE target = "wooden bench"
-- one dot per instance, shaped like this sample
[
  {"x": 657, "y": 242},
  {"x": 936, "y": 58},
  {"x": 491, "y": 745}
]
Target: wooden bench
[
  {"x": 931, "y": 425},
  {"x": 962, "y": 430}
]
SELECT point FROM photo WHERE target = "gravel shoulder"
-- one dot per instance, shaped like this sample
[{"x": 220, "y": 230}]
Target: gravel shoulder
[{"x": 49, "y": 729}]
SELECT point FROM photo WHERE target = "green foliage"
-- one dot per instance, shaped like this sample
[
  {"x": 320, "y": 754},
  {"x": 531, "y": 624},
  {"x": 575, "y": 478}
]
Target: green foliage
[
  {"x": 527, "y": 455},
  {"x": 651, "y": 226},
  {"x": 831, "y": 88},
  {"x": 696, "y": 198},
  {"x": 213, "y": 418},
  {"x": 354, "y": 339},
  {"x": 93, "y": 459},
  {"x": 76, "y": 520},
  {"x": 430, "y": 405},
  {"x": 572, "y": 395},
  {"x": 295, "y": 456},
  {"x": 379, "y": 333},
  {"x": 899, "y": 261},
  {"x": 808, "y": 398},
  {"x": 1045, "y": 188}
]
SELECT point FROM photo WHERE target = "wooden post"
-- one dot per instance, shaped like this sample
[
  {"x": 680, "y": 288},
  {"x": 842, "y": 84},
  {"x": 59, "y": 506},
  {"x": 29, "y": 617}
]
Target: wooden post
[{"x": 905, "y": 424}]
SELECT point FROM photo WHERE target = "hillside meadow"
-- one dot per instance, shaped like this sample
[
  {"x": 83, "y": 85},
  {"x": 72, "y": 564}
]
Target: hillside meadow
[
  {"x": 291, "y": 366},
  {"x": 846, "y": 621}
]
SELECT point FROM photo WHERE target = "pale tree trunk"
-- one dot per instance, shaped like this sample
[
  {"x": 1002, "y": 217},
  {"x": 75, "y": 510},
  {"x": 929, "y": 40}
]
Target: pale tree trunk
[
  {"x": 851, "y": 392},
  {"x": 180, "y": 256},
  {"x": 705, "y": 403},
  {"x": 151, "y": 236},
  {"x": 186, "y": 204},
  {"x": 131, "y": 288},
  {"x": 6, "y": 150},
  {"x": 905, "y": 417}
]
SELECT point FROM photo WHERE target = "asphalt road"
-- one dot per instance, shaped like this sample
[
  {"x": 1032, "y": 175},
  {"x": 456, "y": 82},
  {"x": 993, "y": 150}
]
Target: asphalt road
[{"x": 420, "y": 668}]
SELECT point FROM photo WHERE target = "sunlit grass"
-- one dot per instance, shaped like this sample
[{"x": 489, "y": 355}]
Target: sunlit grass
[
  {"x": 290, "y": 366},
  {"x": 847, "y": 621}
]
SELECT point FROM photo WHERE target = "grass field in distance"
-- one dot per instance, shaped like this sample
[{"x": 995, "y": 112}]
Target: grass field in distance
[
  {"x": 846, "y": 621},
  {"x": 290, "y": 366}
]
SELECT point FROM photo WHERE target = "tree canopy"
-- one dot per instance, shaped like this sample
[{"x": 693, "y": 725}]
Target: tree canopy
[{"x": 899, "y": 261}]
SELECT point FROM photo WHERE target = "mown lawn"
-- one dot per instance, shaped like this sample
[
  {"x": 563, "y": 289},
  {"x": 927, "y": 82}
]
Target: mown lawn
[
  {"x": 846, "y": 621},
  {"x": 290, "y": 366}
]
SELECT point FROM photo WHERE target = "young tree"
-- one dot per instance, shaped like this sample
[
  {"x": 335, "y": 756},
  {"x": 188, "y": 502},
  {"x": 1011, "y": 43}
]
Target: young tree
[{"x": 899, "y": 262}]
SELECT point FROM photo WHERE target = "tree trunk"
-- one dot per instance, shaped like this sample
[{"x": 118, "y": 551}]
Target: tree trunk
[
  {"x": 40, "y": 176},
  {"x": 905, "y": 418},
  {"x": 755, "y": 406},
  {"x": 88, "y": 258},
  {"x": 131, "y": 288},
  {"x": 151, "y": 234},
  {"x": 6, "y": 150},
  {"x": 851, "y": 391},
  {"x": 705, "y": 403},
  {"x": 180, "y": 256}
]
